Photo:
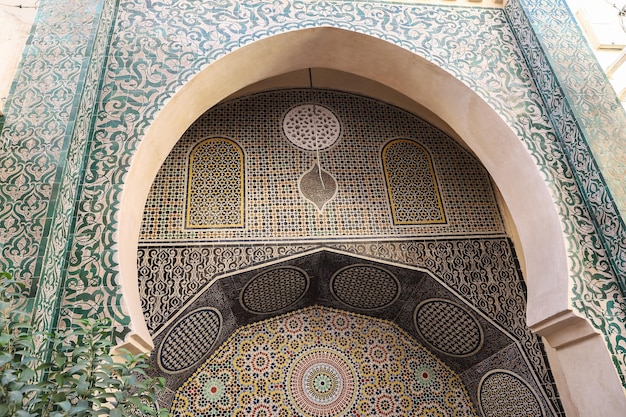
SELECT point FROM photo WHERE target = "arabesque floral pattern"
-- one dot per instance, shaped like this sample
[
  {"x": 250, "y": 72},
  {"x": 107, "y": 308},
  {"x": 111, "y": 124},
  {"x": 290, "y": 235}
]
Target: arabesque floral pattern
[{"x": 61, "y": 179}]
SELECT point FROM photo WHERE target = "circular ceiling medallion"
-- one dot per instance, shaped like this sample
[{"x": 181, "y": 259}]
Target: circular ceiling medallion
[
  {"x": 274, "y": 290},
  {"x": 311, "y": 127},
  {"x": 433, "y": 318},
  {"x": 189, "y": 340},
  {"x": 365, "y": 287},
  {"x": 321, "y": 382},
  {"x": 503, "y": 393}
]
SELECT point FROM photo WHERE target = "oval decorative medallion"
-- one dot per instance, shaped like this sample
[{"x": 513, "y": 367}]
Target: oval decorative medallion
[
  {"x": 365, "y": 287},
  {"x": 322, "y": 382},
  {"x": 311, "y": 127},
  {"x": 274, "y": 290},
  {"x": 432, "y": 320},
  {"x": 504, "y": 393},
  {"x": 318, "y": 186},
  {"x": 189, "y": 340}
]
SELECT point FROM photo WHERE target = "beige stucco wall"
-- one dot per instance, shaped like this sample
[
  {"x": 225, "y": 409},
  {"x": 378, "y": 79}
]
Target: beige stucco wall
[{"x": 15, "y": 24}]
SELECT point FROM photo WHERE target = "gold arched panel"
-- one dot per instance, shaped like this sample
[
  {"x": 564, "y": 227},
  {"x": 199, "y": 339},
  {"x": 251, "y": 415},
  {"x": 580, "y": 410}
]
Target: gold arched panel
[
  {"x": 411, "y": 184},
  {"x": 216, "y": 185}
]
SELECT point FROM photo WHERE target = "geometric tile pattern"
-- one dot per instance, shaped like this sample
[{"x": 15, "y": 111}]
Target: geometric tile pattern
[
  {"x": 274, "y": 290},
  {"x": 311, "y": 127},
  {"x": 215, "y": 196},
  {"x": 359, "y": 206},
  {"x": 448, "y": 327},
  {"x": 43, "y": 145},
  {"x": 450, "y": 260},
  {"x": 189, "y": 340},
  {"x": 503, "y": 393},
  {"x": 365, "y": 287},
  {"x": 344, "y": 365},
  {"x": 69, "y": 41},
  {"x": 577, "y": 99},
  {"x": 487, "y": 33},
  {"x": 318, "y": 186},
  {"x": 460, "y": 264},
  {"x": 322, "y": 382},
  {"x": 155, "y": 49},
  {"x": 169, "y": 277},
  {"x": 411, "y": 183}
]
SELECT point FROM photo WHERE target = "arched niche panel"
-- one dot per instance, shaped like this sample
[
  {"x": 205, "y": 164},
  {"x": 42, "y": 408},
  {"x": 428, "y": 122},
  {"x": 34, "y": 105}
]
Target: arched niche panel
[
  {"x": 411, "y": 184},
  {"x": 216, "y": 185},
  {"x": 482, "y": 130}
]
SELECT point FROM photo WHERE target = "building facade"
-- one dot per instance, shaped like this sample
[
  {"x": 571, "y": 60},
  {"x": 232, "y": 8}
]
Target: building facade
[{"x": 448, "y": 176}]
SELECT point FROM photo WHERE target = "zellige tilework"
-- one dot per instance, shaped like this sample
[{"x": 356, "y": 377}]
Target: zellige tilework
[
  {"x": 415, "y": 301},
  {"x": 61, "y": 181},
  {"x": 347, "y": 365},
  {"x": 360, "y": 206}
]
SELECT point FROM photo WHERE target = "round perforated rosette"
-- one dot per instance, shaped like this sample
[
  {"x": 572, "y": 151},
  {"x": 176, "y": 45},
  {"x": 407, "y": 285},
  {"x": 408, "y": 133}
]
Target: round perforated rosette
[
  {"x": 448, "y": 327},
  {"x": 311, "y": 126},
  {"x": 365, "y": 287},
  {"x": 504, "y": 393},
  {"x": 189, "y": 340},
  {"x": 274, "y": 290},
  {"x": 322, "y": 382}
]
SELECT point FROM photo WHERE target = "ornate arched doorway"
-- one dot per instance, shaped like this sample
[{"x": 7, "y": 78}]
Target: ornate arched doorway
[{"x": 457, "y": 109}]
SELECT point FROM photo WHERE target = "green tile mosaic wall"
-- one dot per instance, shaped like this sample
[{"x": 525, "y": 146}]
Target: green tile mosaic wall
[
  {"x": 591, "y": 124},
  {"x": 49, "y": 120},
  {"x": 582, "y": 106},
  {"x": 157, "y": 46}
]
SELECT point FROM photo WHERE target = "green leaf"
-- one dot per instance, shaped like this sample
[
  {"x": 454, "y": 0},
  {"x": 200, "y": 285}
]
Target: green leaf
[
  {"x": 4, "y": 339},
  {"x": 82, "y": 378},
  {"x": 116, "y": 412},
  {"x": 8, "y": 377},
  {"x": 79, "y": 367},
  {"x": 5, "y": 357},
  {"x": 27, "y": 375},
  {"x": 82, "y": 405},
  {"x": 65, "y": 405},
  {"x": 60, "y": 379},
  {"x": 15, "y": 397}
]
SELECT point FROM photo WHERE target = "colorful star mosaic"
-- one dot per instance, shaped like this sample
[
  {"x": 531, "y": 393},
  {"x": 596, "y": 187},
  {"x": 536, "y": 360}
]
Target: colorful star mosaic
[{"x": 321, "y": 362}]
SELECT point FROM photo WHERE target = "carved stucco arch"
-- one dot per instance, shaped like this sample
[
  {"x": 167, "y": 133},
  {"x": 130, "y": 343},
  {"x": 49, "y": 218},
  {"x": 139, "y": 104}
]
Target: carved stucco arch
[{"x": 482, "y": 130}]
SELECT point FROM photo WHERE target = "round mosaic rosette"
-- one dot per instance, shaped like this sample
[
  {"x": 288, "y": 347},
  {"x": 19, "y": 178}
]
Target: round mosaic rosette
[{"x": 322, "y": 382}]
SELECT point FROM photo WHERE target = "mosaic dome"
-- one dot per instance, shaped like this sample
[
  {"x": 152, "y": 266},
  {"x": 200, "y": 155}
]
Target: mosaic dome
[{"x": 321, "y": 362}]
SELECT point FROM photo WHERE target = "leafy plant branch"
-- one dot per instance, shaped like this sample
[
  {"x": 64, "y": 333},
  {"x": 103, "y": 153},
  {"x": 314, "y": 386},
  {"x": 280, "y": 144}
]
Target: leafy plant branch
[{"x": 82, "y": 378}]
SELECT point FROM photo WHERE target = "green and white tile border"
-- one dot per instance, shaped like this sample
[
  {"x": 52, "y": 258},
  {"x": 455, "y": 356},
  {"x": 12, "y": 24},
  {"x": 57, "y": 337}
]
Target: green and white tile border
[
  {"x": 590, "y": 122},
  {"x": 52, "y": 103}
]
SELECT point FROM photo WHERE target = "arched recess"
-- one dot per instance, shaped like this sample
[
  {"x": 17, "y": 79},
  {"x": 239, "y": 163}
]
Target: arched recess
[{"x": 581, "y": 352}]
